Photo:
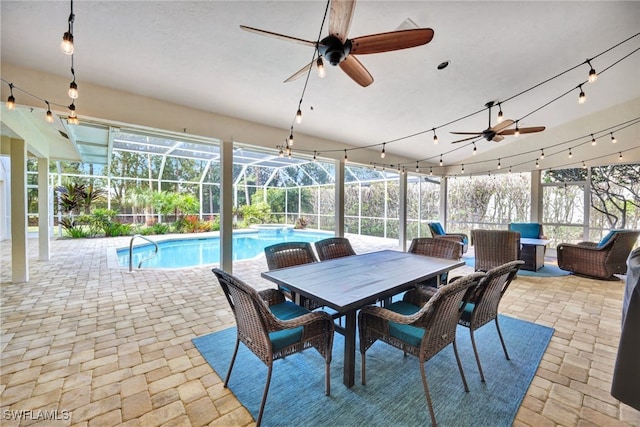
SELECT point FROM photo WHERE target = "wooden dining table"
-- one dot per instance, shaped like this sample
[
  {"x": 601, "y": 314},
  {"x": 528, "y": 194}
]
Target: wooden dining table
[{"x": 349, "y": 283}]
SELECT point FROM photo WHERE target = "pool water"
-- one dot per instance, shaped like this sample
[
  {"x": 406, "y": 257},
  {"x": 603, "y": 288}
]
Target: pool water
[{"x": 178, "y": 253}]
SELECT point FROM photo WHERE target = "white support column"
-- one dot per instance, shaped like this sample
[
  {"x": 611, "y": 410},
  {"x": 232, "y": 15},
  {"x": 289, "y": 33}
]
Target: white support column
[
  {"x": 339, "y": 198},
  {"x": 43, "y": 209},
  {"x": 226, "y": 206},
  {"x": 444, "y": 182},
  {"x": 536, "y": 196},
  {"x": 402, "y": 226},
  {"x": 19, "y": 256}
]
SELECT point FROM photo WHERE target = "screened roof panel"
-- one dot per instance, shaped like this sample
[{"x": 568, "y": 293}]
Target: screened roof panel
[{"x": 191, "y": 154}]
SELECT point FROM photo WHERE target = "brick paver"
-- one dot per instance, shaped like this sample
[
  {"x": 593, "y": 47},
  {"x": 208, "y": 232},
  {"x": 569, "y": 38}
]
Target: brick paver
[{"x": 114, "y": 348}]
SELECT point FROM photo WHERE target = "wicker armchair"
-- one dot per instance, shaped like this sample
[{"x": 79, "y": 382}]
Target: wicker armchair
[
  {"x": 439, "y": 248},
  {"x": 482, "y": 304},
  {"x": 288, "y": 254},
  {"x": 495, "y": 247},
  {"x": 438, "y": 232},
  {"x": 273, "y": 328},
  {"x": 334, "y": 247},
  {"x": 599, "y": 260},
  {"x": 421, "y": 331}
]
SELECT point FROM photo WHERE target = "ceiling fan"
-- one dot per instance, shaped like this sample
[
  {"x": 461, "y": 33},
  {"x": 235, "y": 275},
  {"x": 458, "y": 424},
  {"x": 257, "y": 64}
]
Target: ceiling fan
[
  {"x": 338, "y": 49},
  {"x": 497, "y": 132}
]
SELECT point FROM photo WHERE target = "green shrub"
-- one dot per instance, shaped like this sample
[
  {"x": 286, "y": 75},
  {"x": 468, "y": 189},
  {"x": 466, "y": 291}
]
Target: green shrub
[
  {"x": 73, "y": 227},
  {"x": 160, "y": 228},
  {"x": 115, "y": 229}
]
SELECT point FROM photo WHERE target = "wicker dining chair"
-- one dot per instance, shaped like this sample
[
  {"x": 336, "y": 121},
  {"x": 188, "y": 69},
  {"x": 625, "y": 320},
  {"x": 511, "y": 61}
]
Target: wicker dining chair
[
  {"x": 273, "y": 328},
  {"x": 333, "y": 247},
  {"x": 288, "y": 254},
  {"x": 483, "y": 301},
  {"x": 439, "y": 248},
  {"x": 422, "y": 331},
  {"x": 494, "y": 248}
]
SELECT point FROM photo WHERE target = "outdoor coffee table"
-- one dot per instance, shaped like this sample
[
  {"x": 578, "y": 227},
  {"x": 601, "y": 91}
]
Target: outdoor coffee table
[
  {"x": 532, "y": 253},
  {"x": 349, "y": 283}
]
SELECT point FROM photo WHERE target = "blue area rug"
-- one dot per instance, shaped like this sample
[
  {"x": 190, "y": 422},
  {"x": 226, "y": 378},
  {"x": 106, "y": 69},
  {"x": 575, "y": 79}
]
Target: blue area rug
[
  {"x": 393, "y": 395},
  {"x": 547, "y": 270}
]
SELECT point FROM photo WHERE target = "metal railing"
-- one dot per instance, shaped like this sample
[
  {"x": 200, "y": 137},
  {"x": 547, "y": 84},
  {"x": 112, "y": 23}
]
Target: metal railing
[{"x": 144, "y": 259}]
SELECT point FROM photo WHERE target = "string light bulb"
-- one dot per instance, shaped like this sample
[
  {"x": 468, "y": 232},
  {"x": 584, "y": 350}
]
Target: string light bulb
[
  {"x": 49, "y": 115},
  {"x": 440, "y": 159},
  {"x": 620, "y": 158},
  {"x": 290, "y": 140},
  {"x": 73, "y": 118},
  {"x": 11, "y": 100},
  {"x": 67, "y": 38},
  {"x": 475, "y": 149},
  {"x": 541, "y": 153},
  {"x": 73, "y": 89},
  {"x": 593, "y": 140},
  {"x": 462, "y": 170},
  {"x": 67, "y": 43},
  {"x": 417, "y": 166},
  {"x": 315, "y": 158},
  {"x": 593, "y": 76},
  {"x": 299, "y": 116},
  {"x": 435, "y": 137},
  {"x": 570, "y": 154},
  {"x": 430, "y": 171},
  {"x": 537, "y": 164},
  {"x": 582, "y": 98},
  {"x": 500, "y": 116},
  {"x": 584, "y": 165},
  {"x": 613, "y": 138},
  {"x": 321, "y": 71},
  {"x": 499, "y": 164},
  {"x": 383, "y": 154},
  {"x": 346, "y": 159},
  {"x": 517, "y": 131}
]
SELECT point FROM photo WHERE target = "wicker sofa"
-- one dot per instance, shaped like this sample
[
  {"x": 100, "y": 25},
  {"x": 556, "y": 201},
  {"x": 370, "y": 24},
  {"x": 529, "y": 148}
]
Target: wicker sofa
[{"x": 600, "y": 260}]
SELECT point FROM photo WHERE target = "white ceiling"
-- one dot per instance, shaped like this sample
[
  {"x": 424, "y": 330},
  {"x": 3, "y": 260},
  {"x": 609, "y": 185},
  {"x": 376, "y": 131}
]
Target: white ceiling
[{"x": 194, "y": 53}]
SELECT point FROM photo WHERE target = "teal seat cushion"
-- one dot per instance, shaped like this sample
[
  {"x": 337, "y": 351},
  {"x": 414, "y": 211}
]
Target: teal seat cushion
[
  {"x": 527, "y": 230},
  {"x": 468, "y": 310},
  {"x": 437, "y": 227},
  {"x": 286, "y": 311},
  {"x": 410, "y": 334},
  {"x": 608, "y": 237}
]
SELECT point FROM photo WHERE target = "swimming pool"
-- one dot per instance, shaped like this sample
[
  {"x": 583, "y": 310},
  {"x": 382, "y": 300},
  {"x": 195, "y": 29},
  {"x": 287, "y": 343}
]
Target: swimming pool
[{"x": 188, "y": 252}]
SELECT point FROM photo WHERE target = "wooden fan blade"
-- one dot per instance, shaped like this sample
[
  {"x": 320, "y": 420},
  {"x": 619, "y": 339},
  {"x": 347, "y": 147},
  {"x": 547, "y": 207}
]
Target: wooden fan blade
[
  {"x": 356, "y": 71},
  {"x": 502, "y": 125},
  {"x": 532, "y": 129},
  {"x": 340, "y": 18},
  {"x": 394, "y": 40},
  {"x": 467, "y": 133},
  {"x": 301, "y": 72},
  {"x": 278, "y": 36},
  {"x": 466, "y": 139},
  {"x": 498, "y": 138}
]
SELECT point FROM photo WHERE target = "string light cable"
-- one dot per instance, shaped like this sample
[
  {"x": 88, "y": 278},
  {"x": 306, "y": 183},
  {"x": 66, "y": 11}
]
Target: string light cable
[{"x": 413, "y": 135}]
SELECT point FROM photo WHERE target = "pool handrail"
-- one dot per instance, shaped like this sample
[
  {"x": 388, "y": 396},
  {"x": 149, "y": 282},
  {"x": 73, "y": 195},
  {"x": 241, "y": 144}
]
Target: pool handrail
[{"x": 144, "y": 259}]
